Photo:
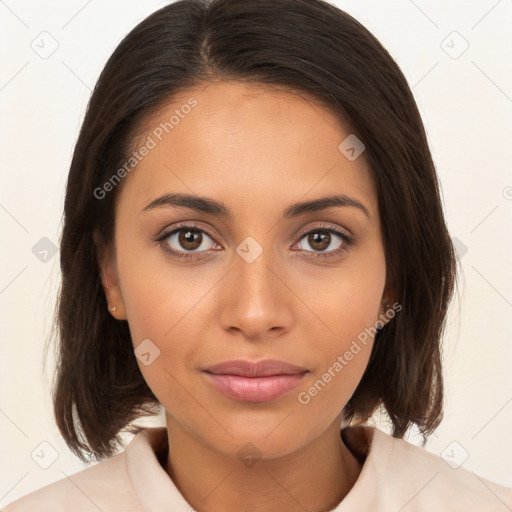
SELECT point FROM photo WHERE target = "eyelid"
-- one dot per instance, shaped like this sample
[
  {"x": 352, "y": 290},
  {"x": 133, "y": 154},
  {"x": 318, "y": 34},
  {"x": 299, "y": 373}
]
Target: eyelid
[
  {"x": 167, "y": 232},
  {"x": 325, "y": 226}
]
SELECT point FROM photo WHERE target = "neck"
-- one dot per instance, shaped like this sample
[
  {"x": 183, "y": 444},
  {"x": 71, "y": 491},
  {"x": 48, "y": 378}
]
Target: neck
[{"x": 315, "y": 477}]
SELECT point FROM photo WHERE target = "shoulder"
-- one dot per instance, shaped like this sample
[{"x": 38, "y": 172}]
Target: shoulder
[
  {"x": 97, "y": 487},
  {"x": 418, "y": 480}
]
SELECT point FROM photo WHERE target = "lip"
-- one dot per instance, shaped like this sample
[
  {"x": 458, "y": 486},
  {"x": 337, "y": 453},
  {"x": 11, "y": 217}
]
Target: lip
[
  {"x": 260, "y": 381},
  {"x": 262, "y": 368}
]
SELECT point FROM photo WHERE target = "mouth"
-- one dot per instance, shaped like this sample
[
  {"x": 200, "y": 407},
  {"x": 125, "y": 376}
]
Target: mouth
[{"x": 260, "y": 381}]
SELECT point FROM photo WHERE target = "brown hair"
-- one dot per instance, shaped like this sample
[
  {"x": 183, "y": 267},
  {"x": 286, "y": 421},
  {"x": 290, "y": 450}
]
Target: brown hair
[{"x": 305, "y": 45}]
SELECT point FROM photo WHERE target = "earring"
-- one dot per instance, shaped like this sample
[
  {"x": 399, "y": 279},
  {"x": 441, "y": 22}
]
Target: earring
[{"x": 113, "y": 308}]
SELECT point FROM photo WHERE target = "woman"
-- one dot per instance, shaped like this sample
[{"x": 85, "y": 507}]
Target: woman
[{"x": 254, "y": 242}]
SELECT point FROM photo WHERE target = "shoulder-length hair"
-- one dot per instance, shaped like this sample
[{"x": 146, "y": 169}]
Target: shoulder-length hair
[{"x": 308, "y": 46}]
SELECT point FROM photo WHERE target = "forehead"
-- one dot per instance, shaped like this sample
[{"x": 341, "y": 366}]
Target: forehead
[{"x": 241, "y": 142}]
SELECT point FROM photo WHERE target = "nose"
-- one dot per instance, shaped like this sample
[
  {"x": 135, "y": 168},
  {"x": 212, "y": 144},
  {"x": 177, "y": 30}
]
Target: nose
[{"x": 256, "y": 299}]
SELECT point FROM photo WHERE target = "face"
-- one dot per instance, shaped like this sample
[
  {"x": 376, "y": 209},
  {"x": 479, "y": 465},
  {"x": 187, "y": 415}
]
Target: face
[{"x": 252, "y": 283}]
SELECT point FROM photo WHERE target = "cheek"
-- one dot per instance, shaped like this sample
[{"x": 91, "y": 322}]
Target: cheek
[
  {"x": 348, "y": 309},
  {"x": 342, "y": 359},
  {"x": 155, "y": 294},
  {"x": 347, "y": 301},
  {"x": 161, "y": 306}
]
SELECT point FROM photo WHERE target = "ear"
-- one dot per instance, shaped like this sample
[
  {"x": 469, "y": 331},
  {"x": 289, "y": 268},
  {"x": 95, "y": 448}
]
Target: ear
[
  {"x": 108, "y": 273},
  {"x": 387, "y": 302}
]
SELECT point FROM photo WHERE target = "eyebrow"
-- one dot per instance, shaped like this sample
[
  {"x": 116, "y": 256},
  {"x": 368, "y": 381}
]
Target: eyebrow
[{"x": 210, "y": 206}]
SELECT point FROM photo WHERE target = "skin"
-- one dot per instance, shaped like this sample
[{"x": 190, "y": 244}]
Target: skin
[{"x": 257, "y": 150}]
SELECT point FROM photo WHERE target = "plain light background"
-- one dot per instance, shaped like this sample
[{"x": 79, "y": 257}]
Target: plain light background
[{"x": 465, "y": 98}]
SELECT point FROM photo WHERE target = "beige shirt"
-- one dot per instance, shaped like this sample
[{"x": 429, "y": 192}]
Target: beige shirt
[{"x": 396, "y": 476}]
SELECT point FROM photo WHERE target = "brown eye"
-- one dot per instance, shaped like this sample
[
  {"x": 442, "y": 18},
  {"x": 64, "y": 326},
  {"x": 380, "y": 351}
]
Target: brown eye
[
  {"x": 324, "y": 242},
  {"x": 320, "y": 240},
  {"x": 188, "y": 240}
]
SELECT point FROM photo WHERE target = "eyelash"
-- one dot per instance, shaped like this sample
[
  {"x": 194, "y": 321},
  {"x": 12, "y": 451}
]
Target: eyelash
[{"x": 347, "y": 242}]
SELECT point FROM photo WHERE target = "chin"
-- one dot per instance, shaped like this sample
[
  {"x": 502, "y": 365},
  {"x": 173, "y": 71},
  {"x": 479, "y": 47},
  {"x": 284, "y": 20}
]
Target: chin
[{"x": 268, "y": 435}]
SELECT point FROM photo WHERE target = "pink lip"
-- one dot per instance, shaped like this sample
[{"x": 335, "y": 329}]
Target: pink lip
[{"x": 255, "y": 382}]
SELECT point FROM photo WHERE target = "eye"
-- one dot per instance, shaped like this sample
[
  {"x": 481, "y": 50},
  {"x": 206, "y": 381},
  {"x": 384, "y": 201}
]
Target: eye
[
  {"x": 322, "y": 242},
  {"x": 185, "y": 241}
]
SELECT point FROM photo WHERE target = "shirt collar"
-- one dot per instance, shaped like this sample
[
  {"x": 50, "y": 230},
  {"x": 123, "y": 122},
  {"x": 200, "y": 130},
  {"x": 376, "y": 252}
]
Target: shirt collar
[
  {"x": 368, "y": 489},
  {"x": 157, "y": 492},
  {"x": 154, "y": 487}
]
